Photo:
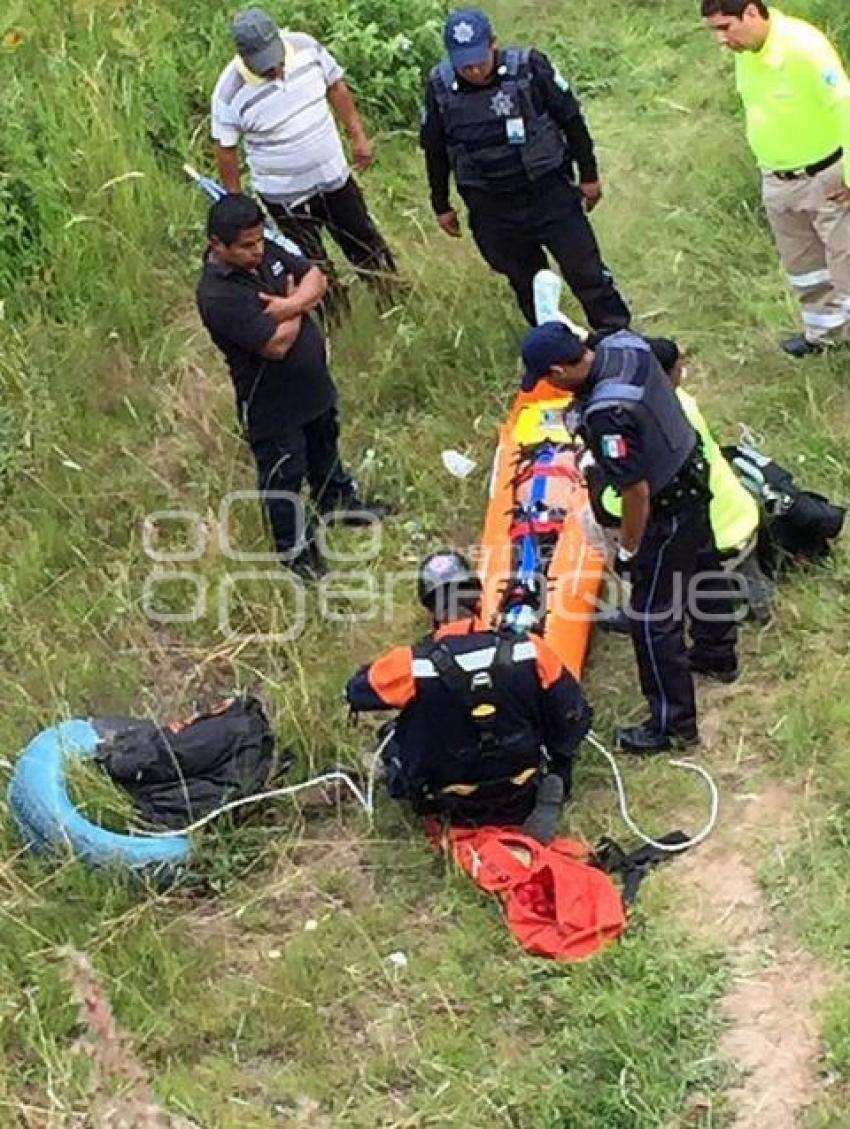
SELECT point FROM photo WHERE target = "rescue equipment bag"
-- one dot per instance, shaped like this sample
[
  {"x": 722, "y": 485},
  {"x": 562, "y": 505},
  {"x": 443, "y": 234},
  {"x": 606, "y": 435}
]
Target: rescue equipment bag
[
  {"x": 179, "y": 772},
  {"x": 798, "y": 524}
]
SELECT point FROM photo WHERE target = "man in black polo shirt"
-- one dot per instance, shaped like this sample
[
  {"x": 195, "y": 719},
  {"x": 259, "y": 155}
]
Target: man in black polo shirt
[{"x": 255, "y": 300}]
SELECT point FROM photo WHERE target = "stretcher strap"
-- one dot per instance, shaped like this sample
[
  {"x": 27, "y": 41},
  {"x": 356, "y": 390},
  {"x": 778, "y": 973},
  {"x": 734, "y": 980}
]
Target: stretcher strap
[{"x": 532, "y": 526}]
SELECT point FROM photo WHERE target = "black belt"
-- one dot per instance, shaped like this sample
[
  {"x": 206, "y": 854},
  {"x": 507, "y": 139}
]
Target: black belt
[
  {"x": 688, "y": 484},
  {"x": 810, "y": 170}
]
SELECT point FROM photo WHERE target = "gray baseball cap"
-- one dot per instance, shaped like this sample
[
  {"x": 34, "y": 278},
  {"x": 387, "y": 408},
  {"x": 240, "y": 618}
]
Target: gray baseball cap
[{"x": 257, "y": 39}]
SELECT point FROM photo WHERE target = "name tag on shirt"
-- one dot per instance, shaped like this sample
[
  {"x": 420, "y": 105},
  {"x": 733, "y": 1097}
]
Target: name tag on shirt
[{"x": 515, "y": 131}]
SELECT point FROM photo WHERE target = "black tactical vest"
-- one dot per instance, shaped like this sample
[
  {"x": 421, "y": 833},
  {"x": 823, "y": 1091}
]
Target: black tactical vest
[
  {"x": 480, "y": 122},
  {"x": 476, "y": 715},
  {"x": 630, "y": 378}
]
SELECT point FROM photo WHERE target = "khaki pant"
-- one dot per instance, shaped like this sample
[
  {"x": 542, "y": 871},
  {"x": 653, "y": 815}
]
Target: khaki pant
[{"x": 813, "y": 238}]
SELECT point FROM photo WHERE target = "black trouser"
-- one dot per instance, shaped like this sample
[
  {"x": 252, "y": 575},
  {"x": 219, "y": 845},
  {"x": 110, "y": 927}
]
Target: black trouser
[
  {"x": 346, "y": 217},
  {"x": 677, "y": 575},
  {"x": 514, "y": 232},
  {"x": 310, "y": 452},
  {"x": 502, "y": 803}
]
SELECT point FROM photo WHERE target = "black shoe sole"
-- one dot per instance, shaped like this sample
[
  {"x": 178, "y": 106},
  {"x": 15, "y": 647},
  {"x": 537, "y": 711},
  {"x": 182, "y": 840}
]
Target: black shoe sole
[
  {"x": 726, "y": 677},
  {"x": 674, "y": 744}
]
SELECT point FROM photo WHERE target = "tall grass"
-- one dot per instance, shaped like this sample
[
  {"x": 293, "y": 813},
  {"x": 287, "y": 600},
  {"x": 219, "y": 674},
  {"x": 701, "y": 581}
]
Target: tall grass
[{"x": 115, "y": 406}]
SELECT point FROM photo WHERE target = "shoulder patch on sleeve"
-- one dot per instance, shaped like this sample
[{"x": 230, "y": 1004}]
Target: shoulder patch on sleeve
[{"x": 831, "y": 76}]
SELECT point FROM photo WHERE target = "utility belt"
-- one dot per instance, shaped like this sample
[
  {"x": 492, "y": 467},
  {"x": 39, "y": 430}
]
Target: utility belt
[
  {"x": 809, "y": 170},
  {"x": 688, "y": 485},
  {"x": 515, "y": 189}
]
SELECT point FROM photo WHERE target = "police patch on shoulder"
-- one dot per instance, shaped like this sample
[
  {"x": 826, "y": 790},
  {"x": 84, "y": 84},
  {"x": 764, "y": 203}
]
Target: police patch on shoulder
[
  {"x": 561, "y": 82},
  {"x": 831, "y": 77},
  {"x": 614, "y": 447}
]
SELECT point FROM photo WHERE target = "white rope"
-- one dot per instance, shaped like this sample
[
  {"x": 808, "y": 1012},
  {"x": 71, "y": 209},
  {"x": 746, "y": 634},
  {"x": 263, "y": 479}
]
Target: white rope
[
  {"x": 365, "y": 799},
  {"x": 669, "y": 848}
]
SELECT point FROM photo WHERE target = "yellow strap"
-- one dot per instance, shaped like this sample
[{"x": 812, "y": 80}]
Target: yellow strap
[{"x": 469, "y": 789}]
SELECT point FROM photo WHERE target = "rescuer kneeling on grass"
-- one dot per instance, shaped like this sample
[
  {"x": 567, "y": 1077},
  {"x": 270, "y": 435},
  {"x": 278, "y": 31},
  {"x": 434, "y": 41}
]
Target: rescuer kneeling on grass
[
  {"x": 490, "y": 721},
  {"x": 627, "y": 412}
]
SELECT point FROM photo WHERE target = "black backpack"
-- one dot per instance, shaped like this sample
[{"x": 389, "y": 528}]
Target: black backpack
[
  {"x": 179, "y": 772},
  {"x": 797, "y": 524}
]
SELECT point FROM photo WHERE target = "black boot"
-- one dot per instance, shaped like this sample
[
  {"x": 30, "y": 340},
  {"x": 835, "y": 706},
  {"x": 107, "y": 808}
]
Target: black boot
[
  {"x": 616, "y": 622},
  {"x": 543, "y": 821},
  {"x": 799, "y": 347},
  {"x": 353, "y": 511},
  {"x": 645, "y": 739},
  {"x": 727, "y": 672},
  {"x": 308, "y": 566}
]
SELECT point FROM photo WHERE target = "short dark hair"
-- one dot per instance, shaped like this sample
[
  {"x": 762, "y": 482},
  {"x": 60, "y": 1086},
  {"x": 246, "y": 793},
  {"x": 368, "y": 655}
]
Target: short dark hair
[
  {"x": 733, "y": 8},
  {"x": 666, "y": 352},
  {"x": 231, "y": 215}
]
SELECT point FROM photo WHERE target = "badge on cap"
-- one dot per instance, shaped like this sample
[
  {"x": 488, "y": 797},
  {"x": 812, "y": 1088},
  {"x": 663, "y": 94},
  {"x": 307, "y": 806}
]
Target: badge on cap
[
  {"x": 614, "y": 447},
  {"x": 463, "y": 32}
]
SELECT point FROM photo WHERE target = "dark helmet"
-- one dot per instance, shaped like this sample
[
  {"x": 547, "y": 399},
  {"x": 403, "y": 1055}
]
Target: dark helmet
[{"x": 450, "y": 575}]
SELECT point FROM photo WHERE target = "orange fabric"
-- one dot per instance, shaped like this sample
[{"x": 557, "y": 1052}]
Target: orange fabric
[
  {"x": 549, "y": 666},
  {"x": 391, "y": 677},
  {"x": 556, "y": 904},
  {"x": 463, "y": 626}
]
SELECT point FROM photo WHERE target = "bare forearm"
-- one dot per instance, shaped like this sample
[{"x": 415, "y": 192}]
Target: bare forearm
[
  {"x": 227, "y": 162},
  {"x": 299, "y": 298},
  {"x": 345, "y": 109},
  {"x": 310, "y": 290},
  {"x": 635, "y": 515},
  {"x": 282, "y": 340}
]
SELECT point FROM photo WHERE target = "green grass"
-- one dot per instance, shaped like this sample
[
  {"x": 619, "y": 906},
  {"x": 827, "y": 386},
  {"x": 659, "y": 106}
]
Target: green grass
[{"x": 115, "y": 406}]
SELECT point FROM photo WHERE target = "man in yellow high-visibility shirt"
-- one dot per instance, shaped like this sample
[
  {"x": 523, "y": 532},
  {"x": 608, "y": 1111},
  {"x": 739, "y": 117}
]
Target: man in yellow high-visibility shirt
[{"x": 796, "y": 97}]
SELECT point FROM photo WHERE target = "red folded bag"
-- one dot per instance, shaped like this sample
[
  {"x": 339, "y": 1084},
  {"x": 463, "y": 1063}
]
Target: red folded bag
[{"x": 556, "y": 904}]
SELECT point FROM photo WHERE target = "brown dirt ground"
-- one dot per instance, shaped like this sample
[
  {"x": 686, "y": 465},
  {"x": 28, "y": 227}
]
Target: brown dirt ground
[{"x": 771, "y": 1037}]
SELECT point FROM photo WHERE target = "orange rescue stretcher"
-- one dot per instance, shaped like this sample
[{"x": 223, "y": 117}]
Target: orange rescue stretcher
[{"x": 542, "y": 553}]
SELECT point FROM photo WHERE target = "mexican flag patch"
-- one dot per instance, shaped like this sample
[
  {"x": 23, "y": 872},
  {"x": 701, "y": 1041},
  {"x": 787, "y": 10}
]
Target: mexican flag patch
[{"x": 614, "y": 447}]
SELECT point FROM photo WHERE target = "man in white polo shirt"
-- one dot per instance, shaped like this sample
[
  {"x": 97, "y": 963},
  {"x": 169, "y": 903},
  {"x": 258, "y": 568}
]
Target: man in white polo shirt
[{"x": 279, "y": 96}]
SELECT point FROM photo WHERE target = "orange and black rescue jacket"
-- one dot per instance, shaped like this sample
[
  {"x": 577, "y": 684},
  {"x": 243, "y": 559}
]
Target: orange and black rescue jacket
[{"x": 477, "y": 707}]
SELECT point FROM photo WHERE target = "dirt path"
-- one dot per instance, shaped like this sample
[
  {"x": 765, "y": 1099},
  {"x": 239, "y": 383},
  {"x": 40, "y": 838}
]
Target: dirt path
[{"x": 770, "y": 1009}]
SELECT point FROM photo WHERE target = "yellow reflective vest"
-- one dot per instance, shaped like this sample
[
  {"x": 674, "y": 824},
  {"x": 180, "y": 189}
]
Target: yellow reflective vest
[
  {"x": 733, "y": 510},
  {"x": 796, "y": 96}
]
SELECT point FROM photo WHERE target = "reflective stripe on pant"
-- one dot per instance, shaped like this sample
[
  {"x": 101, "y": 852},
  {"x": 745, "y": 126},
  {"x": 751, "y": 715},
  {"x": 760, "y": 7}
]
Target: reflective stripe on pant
[
  {"x": 672, "y": 550},
  {"x": 813, "y": 238}
]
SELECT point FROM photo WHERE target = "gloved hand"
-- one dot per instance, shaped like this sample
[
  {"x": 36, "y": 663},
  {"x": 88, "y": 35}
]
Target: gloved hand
[{"x": 542, "y": 823}]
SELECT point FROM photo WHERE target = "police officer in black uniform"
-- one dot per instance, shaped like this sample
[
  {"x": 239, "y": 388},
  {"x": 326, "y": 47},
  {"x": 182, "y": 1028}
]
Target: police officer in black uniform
[
  {"x": 506, "y": 124},
  {"x": 490, "y": 720},
  {"x": 628, "y": 413}
]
